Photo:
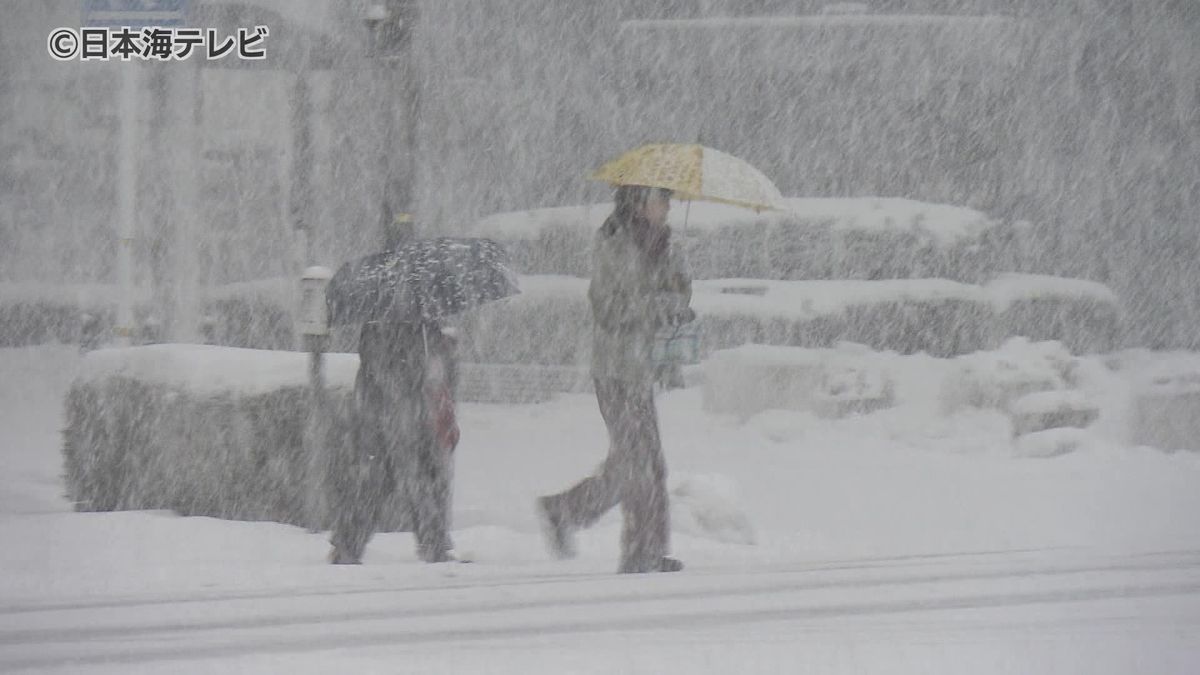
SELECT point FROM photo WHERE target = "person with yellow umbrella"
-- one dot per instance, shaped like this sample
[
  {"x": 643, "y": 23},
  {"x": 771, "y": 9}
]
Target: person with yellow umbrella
[{"x": 638, "y": 287}]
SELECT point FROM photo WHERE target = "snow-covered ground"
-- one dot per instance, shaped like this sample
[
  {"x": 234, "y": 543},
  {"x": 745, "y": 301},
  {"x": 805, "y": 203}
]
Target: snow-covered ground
[{"x": 911, "y": 540}]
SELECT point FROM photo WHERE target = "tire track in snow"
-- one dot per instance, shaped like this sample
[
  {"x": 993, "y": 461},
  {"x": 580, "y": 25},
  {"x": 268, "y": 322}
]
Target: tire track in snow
[
  {"x": 767, "y": 587},
  {"x": 141, "y": 636},
  {"x": 671, "y": 620},
  {"x": 816, "y": 566}
]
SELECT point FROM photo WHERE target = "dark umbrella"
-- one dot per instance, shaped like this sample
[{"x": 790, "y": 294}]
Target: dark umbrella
[{"x": 423, "y": 280}]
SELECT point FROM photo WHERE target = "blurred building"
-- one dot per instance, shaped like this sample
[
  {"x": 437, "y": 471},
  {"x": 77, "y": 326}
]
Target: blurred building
[{"x": 1078, "y": 116}]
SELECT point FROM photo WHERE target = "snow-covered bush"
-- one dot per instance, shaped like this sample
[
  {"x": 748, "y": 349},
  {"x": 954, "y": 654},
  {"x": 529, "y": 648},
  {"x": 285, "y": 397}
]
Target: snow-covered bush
[
  {"x": 941, "y": 327},
  {"x": 255, "y": 315},
  {"x": 1084, "y": 315},
  {"x": 249, "y": 322},
  {"x": 23, "y": 323},
  {"x": 33, "y": 313},
  {"x": 520, "y": 383},
  {"x": 130, "y": 444},
  {"x": 212, "y": 431},
  {"x": 995, "y": 379},
  {"x": 1052, "y": 409},
  {"x": 548, "y": 323},
  {"x": 1050, "y": 442}
]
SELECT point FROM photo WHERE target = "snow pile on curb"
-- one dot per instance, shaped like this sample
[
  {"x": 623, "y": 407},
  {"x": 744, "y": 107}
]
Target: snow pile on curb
[
  {"x": 708, "y": 505},
  {"x": 747, "y": 380},
  {"x": 1166, "y": 397},
  {"x": 996, "y": 379}
]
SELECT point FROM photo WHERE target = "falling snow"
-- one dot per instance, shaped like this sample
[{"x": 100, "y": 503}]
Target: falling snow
[{"x": 942, "y": 414}]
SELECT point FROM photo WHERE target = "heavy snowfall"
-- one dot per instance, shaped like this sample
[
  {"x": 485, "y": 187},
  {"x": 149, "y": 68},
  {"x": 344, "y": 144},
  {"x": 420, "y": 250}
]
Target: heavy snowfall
[{"x": 935, "y": 407}]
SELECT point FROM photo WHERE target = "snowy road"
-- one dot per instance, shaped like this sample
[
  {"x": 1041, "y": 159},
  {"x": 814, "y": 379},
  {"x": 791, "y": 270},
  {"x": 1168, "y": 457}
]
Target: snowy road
[
  {"x": 901, "y": 542},
  {"x": 982, "y": 591}
]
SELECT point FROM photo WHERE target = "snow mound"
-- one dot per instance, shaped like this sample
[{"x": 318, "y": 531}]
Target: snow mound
[
  {"x": 1049, "y": 402},
  {"x": 1051, "y": 442},
  {"x": 995, "y": 379},
  {"x": 707, "y": 505},
  {"x": 1165, "y": 403},
  {"x": 749, "y": 379},
  {"x": 782, "y": 426},
  {"x": 1159, "y": 373}
]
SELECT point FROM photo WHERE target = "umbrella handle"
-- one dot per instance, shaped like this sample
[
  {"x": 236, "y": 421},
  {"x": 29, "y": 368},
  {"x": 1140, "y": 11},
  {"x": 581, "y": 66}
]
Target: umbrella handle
[{"x": 687, "y": 211}]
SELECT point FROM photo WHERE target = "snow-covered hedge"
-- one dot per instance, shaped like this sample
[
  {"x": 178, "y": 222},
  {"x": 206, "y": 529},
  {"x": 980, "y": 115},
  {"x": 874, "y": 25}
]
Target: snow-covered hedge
[
  {"x": 1086, "y": 316},
  {"x": 254, "y": 315},
  {"x": 1053, "y": 409},
  {"x": 209, "y": 431},
  {"x": 550, "y": 321},
  {"x": 520, "y": 383},
  {"x": 30, "y": 323},
  {"x": 869, "y": 238},
  {"x": 234, "y": 433},
  {"x": 39, "y": 313}
]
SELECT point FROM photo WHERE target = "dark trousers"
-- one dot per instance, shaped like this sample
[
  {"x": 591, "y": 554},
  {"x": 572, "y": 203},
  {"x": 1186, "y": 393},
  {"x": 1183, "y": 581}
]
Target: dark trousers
[
  {"x": 382, "y": 461},
  {"x": 634, "y": 474}
]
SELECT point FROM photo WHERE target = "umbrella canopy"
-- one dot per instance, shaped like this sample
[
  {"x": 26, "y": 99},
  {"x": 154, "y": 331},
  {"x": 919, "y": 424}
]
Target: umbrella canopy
[
  {"x": 422, "y": 280},
  {"x": 693, "y": 172}
]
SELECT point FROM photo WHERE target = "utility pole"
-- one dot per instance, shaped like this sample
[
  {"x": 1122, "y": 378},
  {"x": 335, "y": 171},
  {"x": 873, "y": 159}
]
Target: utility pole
[
  {"x": 301, "y": 200},
  {"x": 135, "y": 15},
  {"x": 391, "y": 26},
  {"x": 127, "y": 111}
]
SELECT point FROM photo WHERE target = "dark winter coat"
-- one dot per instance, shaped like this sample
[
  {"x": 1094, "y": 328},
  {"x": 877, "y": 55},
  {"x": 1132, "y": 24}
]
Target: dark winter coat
[
  {"x": 407, "y": 378},
  {"x": 388, "y": 388},
  {"x": 403, "y": 434}
]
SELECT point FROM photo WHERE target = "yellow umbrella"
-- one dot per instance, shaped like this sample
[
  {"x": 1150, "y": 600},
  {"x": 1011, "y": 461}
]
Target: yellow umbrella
[{"x": 693, "y": 172}]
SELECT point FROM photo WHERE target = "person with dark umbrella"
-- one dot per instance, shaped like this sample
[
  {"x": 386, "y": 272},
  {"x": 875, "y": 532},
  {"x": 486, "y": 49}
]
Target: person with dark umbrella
[
  {"x": 403, "y": 421},
  {"x": 635, "y": 290},
  {"x": 396, "y": 440}
]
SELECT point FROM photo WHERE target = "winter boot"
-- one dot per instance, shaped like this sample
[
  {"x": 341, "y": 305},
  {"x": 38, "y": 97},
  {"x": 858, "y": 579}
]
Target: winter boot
[
  {"x": 437, "y": 556},
  {"x": 670, "y": 565},
  {"x": 338, "y": 556},
  {"x": 559, "y": 537},
  {"x": 663, "y": 564}
]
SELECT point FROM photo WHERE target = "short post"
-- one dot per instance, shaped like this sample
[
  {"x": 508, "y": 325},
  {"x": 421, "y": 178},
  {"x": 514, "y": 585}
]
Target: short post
[{"x": 314, "y": 330}]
